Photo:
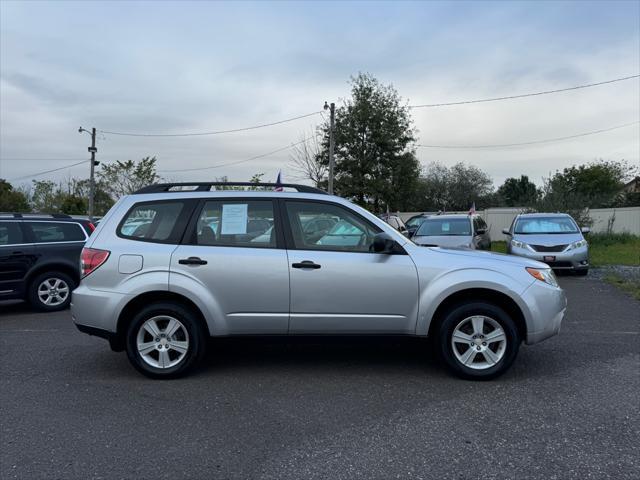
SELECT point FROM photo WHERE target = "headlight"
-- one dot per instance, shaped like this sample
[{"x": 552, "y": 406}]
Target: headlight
[
  {"x": 517, "y": 244},
  {"x": 578, "y": 244},
  {"x": 543, "y": 274}
]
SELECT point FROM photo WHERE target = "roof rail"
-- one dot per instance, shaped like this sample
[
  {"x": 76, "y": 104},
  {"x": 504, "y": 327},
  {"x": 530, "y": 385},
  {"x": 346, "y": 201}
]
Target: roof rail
[
  {"x": 29, "y": 214},
  {"x": 207, "y": 186}
]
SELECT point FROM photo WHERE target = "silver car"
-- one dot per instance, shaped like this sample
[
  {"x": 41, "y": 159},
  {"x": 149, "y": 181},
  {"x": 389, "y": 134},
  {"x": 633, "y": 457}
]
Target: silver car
[
  {"x": 455, "y": 230},
  {"x": 160, "y": 293},
  {"x": 552, "y": 238}
]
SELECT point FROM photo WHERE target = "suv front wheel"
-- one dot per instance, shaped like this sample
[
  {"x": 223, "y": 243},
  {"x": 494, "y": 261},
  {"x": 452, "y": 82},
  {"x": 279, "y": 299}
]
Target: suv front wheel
[
  {"x": 165, "y": 340},
  {"x": 478, "y": 340}
]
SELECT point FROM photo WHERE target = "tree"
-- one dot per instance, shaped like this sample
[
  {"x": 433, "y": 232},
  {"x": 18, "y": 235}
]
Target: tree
[
  {"x": 12, "y": 200},
  {"x": 73, "y": 205},
  {"x": 518, "y": 192},
  {"x": 453, "y": 189},
  {"x": 576, "y": 189},
  {"x": 580, "y": 187},
  {"x": 375, "y": 164},
  {"x": 125, "y": 177},
  {"x": 307, "y": 163},
  {"x": 45, "y": 197},
  {"x": 102, "y": 201}
]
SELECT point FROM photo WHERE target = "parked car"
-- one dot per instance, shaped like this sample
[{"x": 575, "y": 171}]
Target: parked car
[
  {"x": 552, "y": 238},
  {"x": 160, "y": 295},
  {"x": 414, "y": 223},
  {"x": 40, "y": 257},
  {"x": 396, "y": 222},
  {"x": 454, "y": 230}
]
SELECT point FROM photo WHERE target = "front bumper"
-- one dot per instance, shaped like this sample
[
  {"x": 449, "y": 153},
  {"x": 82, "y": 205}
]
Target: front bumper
[
  {"x": 547, "y": 307},
  {"x": 576, "y": 259}
]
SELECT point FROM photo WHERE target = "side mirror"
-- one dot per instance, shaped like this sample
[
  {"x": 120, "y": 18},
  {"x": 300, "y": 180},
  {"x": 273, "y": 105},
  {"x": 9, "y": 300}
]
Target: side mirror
[
  {"x": 481, "y": 231},
  {"x": 383, "y": 243},
  {"x": 506, "y": 231},
  {"x": 585, "y": 229}
]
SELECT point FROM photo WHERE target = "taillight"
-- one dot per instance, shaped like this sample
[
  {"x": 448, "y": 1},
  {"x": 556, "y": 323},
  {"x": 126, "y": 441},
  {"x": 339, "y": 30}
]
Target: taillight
[
  {"x": 92, "y": 227},
  {"x": 92, "y": 258}
]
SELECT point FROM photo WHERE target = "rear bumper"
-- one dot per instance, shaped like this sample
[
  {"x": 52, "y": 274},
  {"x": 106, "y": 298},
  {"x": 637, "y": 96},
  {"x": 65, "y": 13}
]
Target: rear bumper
[{"x": 96, "y": 309}]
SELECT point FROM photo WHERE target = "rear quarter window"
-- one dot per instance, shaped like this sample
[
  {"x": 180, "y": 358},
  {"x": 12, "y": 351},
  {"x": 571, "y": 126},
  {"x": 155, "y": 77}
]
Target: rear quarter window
[
  {"x": 54, "y": 232},
  {"x": 160, "y": 222},
  {"x": 10, "y": 233}
]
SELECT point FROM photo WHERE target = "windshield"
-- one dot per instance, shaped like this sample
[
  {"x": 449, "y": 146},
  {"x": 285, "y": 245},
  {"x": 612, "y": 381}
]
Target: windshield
[
  {"x": 436, "y": 227},
  {"x": 548, "y": 225},
  {"x": 415, "y": 221}
]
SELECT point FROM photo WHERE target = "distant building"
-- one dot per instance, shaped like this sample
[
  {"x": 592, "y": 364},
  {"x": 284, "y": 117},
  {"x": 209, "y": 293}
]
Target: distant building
[{"x": 633, "y": 186}]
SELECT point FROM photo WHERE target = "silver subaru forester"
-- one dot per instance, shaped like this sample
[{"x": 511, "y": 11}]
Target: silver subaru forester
[{"x": 173, "y": 264}]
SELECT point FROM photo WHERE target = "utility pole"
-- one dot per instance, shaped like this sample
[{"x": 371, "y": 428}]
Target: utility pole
[
  {"x": 332, "y": 124},
  {"x": 92, "y": 184}
]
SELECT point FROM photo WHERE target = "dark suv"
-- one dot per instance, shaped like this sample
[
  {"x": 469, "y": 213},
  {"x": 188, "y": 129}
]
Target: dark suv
[{"x": 40, "y": 258}]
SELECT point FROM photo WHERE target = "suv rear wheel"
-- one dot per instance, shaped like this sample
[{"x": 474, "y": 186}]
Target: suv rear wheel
[
  {"x": 51, "y": 291},
  {"x": 478, "y": 340},
  {"x": 165, "y": 340}
]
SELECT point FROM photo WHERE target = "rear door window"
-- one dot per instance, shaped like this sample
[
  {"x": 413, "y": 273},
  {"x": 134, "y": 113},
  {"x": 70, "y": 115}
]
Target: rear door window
[
  {"x": 55, "y": 232},
  {"x": 160, "y": 221},
  {"x": 236, "y": 223},
  {"x": 11, "y": 234}
]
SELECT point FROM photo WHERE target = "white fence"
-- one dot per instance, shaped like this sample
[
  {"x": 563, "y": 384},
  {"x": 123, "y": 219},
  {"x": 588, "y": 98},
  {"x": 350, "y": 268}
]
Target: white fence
[{"x": 624, "y": 219}]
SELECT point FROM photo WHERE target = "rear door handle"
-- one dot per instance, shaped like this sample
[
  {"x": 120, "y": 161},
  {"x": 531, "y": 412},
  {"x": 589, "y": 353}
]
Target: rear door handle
[
  {"x": 306, "y": 264},
  {"x": 192, "y": 261}
]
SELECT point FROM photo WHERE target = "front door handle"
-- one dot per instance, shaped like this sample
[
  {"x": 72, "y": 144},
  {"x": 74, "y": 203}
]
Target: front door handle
[
  {"x": 192, "y": 261},
  {"x": 306, "y": 264}
]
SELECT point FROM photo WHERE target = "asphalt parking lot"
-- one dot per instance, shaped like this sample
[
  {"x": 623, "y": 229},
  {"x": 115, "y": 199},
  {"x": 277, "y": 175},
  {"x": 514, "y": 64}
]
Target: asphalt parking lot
[{"x": 325, "y": 408}]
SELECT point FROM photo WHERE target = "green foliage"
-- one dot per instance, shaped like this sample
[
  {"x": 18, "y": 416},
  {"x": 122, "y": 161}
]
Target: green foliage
[
  {"x": 375, "y": 164},
  {"x": 608, "y": 239},
  {"x": 45, "y": 197},
  {"x": 125, "y": 177},
  {"x": 453, "y": 189},
  {"x": 102, "y": 201},
  {"x": 73, "y": 205},
  {"x": 12, "y": 200},
  {"x": 593, "y": 185},
  {"x": 518, "y": 192}
]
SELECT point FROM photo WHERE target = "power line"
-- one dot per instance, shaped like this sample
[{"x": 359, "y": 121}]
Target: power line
[
  {"x": 534, "y": 142},
  {"x": 16, "y": 159},
  {"x": 534, "y": 94},
  {"x": 237, "y": 162},
  {"x": 47, "y": 171},
  {"x": 216, "y": 132}
]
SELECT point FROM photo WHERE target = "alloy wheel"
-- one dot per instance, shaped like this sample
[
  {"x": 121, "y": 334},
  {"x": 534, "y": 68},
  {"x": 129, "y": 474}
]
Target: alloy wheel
[
  {"x": 162, "y": 341},
  {"x": 53, "y": 291},
  {"x": 479, "y": 342}
]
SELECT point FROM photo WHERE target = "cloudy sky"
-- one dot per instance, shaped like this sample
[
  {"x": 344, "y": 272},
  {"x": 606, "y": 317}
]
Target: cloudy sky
[{"x": 181, "y": 67}]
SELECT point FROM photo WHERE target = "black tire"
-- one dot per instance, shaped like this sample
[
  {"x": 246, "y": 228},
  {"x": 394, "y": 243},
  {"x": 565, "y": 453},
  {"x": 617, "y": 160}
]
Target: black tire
[
  {"x": 37, "y": 302},
  {"x": 196, "y": 340},
  {"x": 582, "y": 272},
  {"x": 454, "y": 317}
]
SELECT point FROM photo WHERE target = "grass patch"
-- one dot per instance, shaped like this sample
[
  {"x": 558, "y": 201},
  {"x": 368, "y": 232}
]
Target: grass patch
[
  {"x": 629, "y": 286},
  {"x": 500, "y": 247},
  {"x": 613, "y": 249}
]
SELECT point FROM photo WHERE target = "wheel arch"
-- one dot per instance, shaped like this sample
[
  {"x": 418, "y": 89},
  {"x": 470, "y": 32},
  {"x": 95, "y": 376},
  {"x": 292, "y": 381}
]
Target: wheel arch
[
  {"x": 144, "y": 299},
  {"x": 495, "y": 297},
  {"x": 63, "y": 267}
]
